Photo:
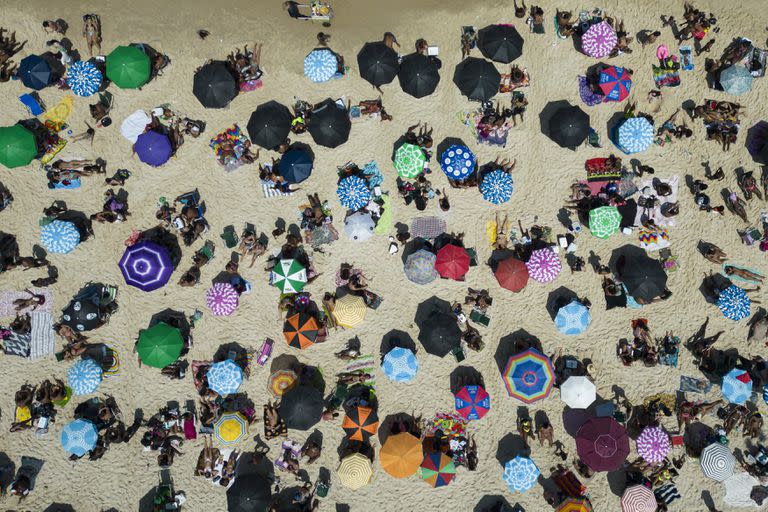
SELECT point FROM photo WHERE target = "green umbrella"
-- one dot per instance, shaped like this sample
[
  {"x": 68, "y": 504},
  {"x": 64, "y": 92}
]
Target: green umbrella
[
  {"x": 409, "y": 160},
  {"x": 128, "y": 67},
  {"x": 17, "y": 146},
  {"x": 289, "y": 276},
  {"x": 160, "y": 345},
  {"x": 604, "y": 221}
]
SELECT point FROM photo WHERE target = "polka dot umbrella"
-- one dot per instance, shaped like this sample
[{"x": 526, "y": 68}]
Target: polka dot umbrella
[{"x": 457, "y": 162}]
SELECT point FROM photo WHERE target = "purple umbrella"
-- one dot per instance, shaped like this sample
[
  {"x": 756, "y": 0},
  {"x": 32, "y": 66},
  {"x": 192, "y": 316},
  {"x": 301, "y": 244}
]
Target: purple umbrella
[
  {"x": 146, "y": 265},
  {"x": 222, "y": 299},
  {"x": 602, "y": 444},
  {"x": 653, "y": 444},
  {"x": 588, "y": 96},
  {"x": 599, "y": 40},
  {"x": 543, "y": 265},
  {"x": 153, "y": 148}
]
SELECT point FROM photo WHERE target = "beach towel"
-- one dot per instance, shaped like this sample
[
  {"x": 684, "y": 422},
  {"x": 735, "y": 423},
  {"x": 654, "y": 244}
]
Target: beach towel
[
  {"x": 52, "y": 151},
  {"x": 134, "y": 125},
  {"x": 7, "y": 298},
  {"x": 60, "y": 112},
  {"x": 111, "y": 368},
  {"x": 587, "y": 95},
  {"x": 363, "y": 364},
  {"x": 694, "y": 385},
  {"x": 41, "y": 338},
  {"x": 427, "y": 227},
  {"x": 557, "y": 30},
  {"x": 736, "y": 278},
  {"x": 267, "y": 187},
  {"x": 597, "y": 170},
  {"x": 384, "y": 224},
  {"x": 667, "y": 493},
  {"x": 490, "y": 232},
  {"x": 655, "y": 213},
  {"x": 653, "y": 240},
  {"x": 666, "y": 77},
  {"x": 686, "y": 58},
  {"x": 15, "y": 344}
]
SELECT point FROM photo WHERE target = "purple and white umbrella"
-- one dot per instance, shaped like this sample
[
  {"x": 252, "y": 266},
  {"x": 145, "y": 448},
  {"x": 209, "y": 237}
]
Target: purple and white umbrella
[
  {"x": 599, "y": 40},
  {"x": 543, "y": 265},
  {"x": 653, "y": 444},
  {"x": 222, "y": 299},
  {"x": 146, "y": 265}
]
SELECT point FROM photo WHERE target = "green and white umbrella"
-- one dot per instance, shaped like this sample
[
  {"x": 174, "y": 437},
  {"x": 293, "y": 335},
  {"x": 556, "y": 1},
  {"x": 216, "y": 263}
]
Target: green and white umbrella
[
  {"x": 604, "y": 221},
  {"x": 409, "y": 161},
  {"x": 289, "y": 276}
]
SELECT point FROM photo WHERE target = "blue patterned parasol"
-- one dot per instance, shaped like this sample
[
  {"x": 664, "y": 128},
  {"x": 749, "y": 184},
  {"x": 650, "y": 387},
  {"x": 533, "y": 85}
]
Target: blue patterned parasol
[
  {"x": 353, "y": 193},
  {"x": 84, "y": 376},
  {"x": 734, "y": 303},
  {"x": 573, "y": 319},
  {"x": 520, "y": 474},
  {"x": 59, "y": 236},
  {"x": 84, "y": 78},
  {"x": 79, "y": 437},
  {"x": 497, "y": 187},
  {"x": 320, "y": 65},
  {"x": 737, "y": 386},
  {"x": 457, "y": 162},
  {"x": 634, "y": 135},
  {"x": 225, "y": 377},
  {"x": 400, "y": 364}
]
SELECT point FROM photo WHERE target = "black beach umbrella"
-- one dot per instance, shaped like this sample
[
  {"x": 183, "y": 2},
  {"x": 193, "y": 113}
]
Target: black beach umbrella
[
  {"x": 377, "y": 63},
  {"x": 329, "y": 124},
  {"x": 438, "y": 331},
  {"x": 477, "y": 79},
  {"x": 295, "y": 165},
  {"x": 502, "y": 43},
  {"x": 301, "y": 407},
  {"x": 214, "y": 85},
  {"x": 82, "y": 315},
  {"x": 418, "y": 75},
  {"x": 36, "y": 72},
  {"x": 643, "y": 276},
  {"x": 269, "y": 124},
  {"x": 251, "y": 492},
  {"x": 565, "y": 124}
]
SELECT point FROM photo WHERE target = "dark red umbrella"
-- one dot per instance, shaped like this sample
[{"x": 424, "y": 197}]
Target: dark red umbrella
[
  {"x": 452, "y": 262},
  {"x": 512, "y": 274},
  {"x": 602, "y": 444}
]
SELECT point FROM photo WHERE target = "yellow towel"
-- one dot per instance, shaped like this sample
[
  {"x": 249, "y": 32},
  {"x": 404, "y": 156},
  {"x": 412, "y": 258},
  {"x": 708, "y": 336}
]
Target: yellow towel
[
  {"x": 490, "y": 230},
  {"x": 60, "y": 113},
  {"x": 23, "y": 414}
]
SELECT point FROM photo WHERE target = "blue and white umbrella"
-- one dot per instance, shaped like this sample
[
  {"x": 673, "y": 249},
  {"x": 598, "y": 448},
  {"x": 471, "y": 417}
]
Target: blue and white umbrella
[
  {"x": 457, "y": 162},
  {"x": 84, "y": 78},
  {"x": 59, "y": 236},
  {"x": 225, "y": 377},
  {"x": 520, "y": 474},
  {"x": 765, "y": 393},
  {"x": 320, "y": 65},
  {"x": 734, "y": 303},
  {"x": 400, "y": 364},
  {"x": 634, "y": 135},
  {"x": 573, "y": 319},
  {"x": 79, "y": 437},
  {"x": 737, "y": 386},
  {"x": 736, "y": 79},
  {"x": 420, "y": 267},
  {"x": 497, "y": 186},
  {"x": 353, "y": 192},
  {"x": 84, "y": 376}
]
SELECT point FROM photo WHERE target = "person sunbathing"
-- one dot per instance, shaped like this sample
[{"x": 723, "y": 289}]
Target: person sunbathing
[
  {"x": 744, "y": 274},
  {"x": 33, "y": 301}
]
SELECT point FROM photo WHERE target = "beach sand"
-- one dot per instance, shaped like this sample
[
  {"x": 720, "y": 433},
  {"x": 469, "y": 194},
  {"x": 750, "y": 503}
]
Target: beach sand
[{"x": 542, "y": 177}]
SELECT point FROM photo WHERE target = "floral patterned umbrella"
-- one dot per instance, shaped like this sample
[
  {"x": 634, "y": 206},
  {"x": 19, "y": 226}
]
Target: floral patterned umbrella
[
  {"x": 497, "y": 187},
  {"x": 409, "y": 161},
  {"x": 353, "y": 192},
  {"x": 543, "y": 265},
  {"x": 520, "y": 474},
  {"x": 604, "y": 221},
  {"x": 225, "y": 377}
]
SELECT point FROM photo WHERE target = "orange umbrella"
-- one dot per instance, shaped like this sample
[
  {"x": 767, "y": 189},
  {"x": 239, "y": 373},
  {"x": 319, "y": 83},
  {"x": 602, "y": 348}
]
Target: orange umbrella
[
  {"x": 300, "y": 330},
  {"x": 360, "y": 423},
  {"x": 401, "y": 455},
  {"x": 575, "y": 505}
]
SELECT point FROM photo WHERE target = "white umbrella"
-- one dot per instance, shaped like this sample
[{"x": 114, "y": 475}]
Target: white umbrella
[
  {"x": 717, "y": 462},
  {"x": 738, "y": 490},
  {"x": 359, "y": 226},
  {"x": 578, "y": 392},
  {"x": 134, "y": 125}
]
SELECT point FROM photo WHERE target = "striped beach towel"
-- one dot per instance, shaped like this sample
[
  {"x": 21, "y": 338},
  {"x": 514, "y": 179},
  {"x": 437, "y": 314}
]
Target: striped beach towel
[
  {"x": 16, "y": 344},
  {"x": 363, "y": 364},
  {"x": 41, "y": 338},
  {"x": 267, "y": 187},
  {"x": 667, "y": 493},
  {"x": 7, "y": 298}
]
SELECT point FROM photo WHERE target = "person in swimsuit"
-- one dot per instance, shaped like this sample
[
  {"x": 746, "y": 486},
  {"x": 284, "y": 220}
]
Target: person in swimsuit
[{"x": 92, "y": 32}]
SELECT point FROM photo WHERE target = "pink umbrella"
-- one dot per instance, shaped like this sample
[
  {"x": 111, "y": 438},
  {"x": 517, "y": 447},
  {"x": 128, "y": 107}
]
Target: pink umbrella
[
  {"x": 653, "y": 444},
  {"x": 638, "y": 498},
  {"x": 599, "y": 40},
  {"x": 221, "y": 299},
  {"x": 543, "y": 265}
]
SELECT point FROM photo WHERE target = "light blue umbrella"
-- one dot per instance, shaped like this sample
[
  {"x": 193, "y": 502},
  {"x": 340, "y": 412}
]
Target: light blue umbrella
[
  {"x": 225, "y": 377},
  {"x": 520, "y": 474},
  {"x": 734, "y": 303},
  {"x": 420, "y": 267},
  {"x": 320, "y": 65},
  {"x": 634, "y": 135},
  {"x": 736, "y": 79},
  {"x": 497, "y": 186},
  {"x": 737, "y": 386},
  {"x": 353, "y": 192},
  {"x": 84, "y": 376},
  {"x": 84, "y": 78},
  {"x": 59, "y": 236},
  {"x": 79, "y": 437},
  {"x": 457, "y": 162},
  {"x": 400, "y": 364},
  {"x": 573, "y": 318}
]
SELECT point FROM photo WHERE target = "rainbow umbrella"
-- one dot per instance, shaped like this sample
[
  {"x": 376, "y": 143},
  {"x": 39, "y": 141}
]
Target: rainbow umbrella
[
  {"x": 615, "y": 83},
  {"x": 472, "y": 402},
  {"x": 529, "y": 376},
  {"x": 437, "y": 469}
]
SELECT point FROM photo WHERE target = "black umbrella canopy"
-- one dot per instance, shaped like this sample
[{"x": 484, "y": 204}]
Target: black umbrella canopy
[
  {"x": 301, "y": 407},
  {"x": 82, "y": 315},
  {"x": 329, "y": 124},
  {"x": 502, "y": 43},
  {"x": 438, "y": 331},
  {"x": 564, "y": 123},
  {"x": 418, "y": 75},
  {"x": 214, "y": 85},
  {"x": 250, "y": 493},
  {"x": 377, "y": 63},
  {"x": 477, "y": 79},
  {"x": 269, "y": 124},
  {"x": 643, "y": 276}
]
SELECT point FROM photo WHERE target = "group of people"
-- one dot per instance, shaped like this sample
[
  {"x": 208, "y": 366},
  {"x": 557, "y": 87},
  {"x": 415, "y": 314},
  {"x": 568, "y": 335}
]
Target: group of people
[
  {"x": 648, "y": 349},
  {"x": 186, "y": 214},
  {"x": 721, "y": 119},
  {"x": 246, "y": 66},
  {"x": 9, "y": 47},
  {"x": 166, "y": 432}
]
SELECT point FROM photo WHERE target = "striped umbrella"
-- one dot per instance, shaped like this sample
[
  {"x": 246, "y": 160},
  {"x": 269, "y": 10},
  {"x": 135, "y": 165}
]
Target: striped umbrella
[
  {"x": 599, "y": 40},
  {"x": 529, "y": 376},
  {"x": 420, "y": 267},
  {"x": 222, "y": 299},
  {"x": 717, "y": 462},
  {"x": 355, "y": 471},
  {"x": 638, "y": 498},
  {"x": 615, "y": 83},
  {"x": 520, "y": 474},
  {"x": 497, "y": 187},
  {"x": 409, "y": 161},
  {"x": 84, "y": 78},
  {"x": 736, "y": 79},
  {"x": 79, "y": 437},
  {"x": 224, "y": 377},
  {"x": 604, "y": 221},
  {"x": 320, "y": 65},
  {"x": 84, "y": 376},
  {"x": 300, "y": 330},
  {"x": 353, "y": 192},
  {"x": 59, "y": 236},
  {"x": 281, "y": 381},
  {"x": 575, "y": 505},
  {"x": 401, "y": 455},
  {"x": 400, "y": 365},
  {"x": 578, "y": 392},
  {"x": 653, "y": 444},
  {"x": 734, "y": 303},
  {"x": 146, "y": 265},
  {"x": 737, "y": 386},
  {"x": 230, "y": 428},
  {"x": 457, "y": 162},
  {"x": 634, "y": 135},
  {"x": 437, "y": 469},
  {"x": 360, "y": 423},
  {"x": 472, "y": 402},
  {"x": 289, "y": 276},
  {"x": 573, "y": 318},
  {"x": 349, "y": 310},
  {"x": 543, "y": 265}
]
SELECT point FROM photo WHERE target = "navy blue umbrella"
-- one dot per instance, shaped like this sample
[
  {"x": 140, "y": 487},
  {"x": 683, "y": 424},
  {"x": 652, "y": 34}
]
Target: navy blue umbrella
[
  {"x": 35, "y": 72},
  {"x": 295, "y": 165}
]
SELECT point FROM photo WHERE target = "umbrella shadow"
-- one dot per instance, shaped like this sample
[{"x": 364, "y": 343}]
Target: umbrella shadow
[
  {"x": 7, "y": 470},
  {"x": 147, "y": 502},
  {"x": 432, "y": 304},
  {"x": 232, "y": 350},
  {"x": 163, "y": 237},
  {"x": 573, "y": 419},
  {"x": 465, "y": 376},
  {"x": 541, "y": 418},
  {"x": 59, "y": 507},
  {"x": 625, "y": 251},
  {"x": 301, "y": 146},
  {"x": 396, "y": 338},
  {"x": 284, "y": 362},
  {"x": 512, "y": 344},
  {"x": 499, "y": 255},
  {"x": 613, "y": 124},
  {"x": 493, "y": 503},
  {"x": 81, "y": 221},
  {"x": 509, "y": 447},
  {"x": 385, "y": 426},
  {"x": 396, "y": 145},
  {"x": 446, "y": 143},
  {"x": 414, "y": 245},
  {"x": 559, "y": 298},
  {"x": 617, "y": 481},
  {"x": 696, "y": 437},
  {"x": 173, "y": 318}
]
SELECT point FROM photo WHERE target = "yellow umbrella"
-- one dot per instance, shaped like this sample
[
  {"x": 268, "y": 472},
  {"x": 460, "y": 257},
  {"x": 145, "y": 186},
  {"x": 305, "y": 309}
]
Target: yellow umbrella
[
  {"x": 281, "y": 381},
  {"x": 349, "y": 310},
  {"x": 401, "y": 455},
  {"x": 231, "y": 427},
  {"x": 355, "y": 471}
]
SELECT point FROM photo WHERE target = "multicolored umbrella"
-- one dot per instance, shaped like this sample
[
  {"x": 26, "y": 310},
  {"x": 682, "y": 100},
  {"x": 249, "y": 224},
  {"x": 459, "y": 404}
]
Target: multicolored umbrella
[
  {"x": 736, "y": 79},
  {"x": 452, "y": 262},
  {"x": 401, "y": 455},
  {"x": 353, "y": 192},
  {"x": 638, "y": 498},
  {"x": 529, "y": 376},
  {"x": 355, "y": 471},
  {"x": 360, "y": 423},
  {"x": 437, "y": 469},
  {"x": 349, "y": 310},
  {"x": 578, "y": 392},
  {"x": 573, "y": 319},
  {"x": 222, "y": 299},
  {"x": 653, "y": 444},
  {"x": 602, "y": 444},
  {"x": 320, "y": 65},
  {"x": 146, "y": 265},
  {"x": 153, "y": 148},
  {"x": 420, "y": 267},
  {"x": 599, "y": 40},
  {"x": 84, "y": 376},
  {"x": 78, "y": 437},
  {"x": 543, "y": 265},
  {"x": 737, "y": 386},
  {"x": 717, "y": 462},
  {"x": 230, "y": 428},
  {"x": 634, "y": 135},
  {"x": 59, "y": 237},
  {"x": 84, "y": 78},
  {"x": 458, "y": 162},
  {"x": 160, "y": 345},
  {"x": 300, "y": 330},
  {"x": 512, "y": 274},
  {"x": 128, "y": 67},
  {"x": 520, "y": 474},
  {"x": 409, "y": 161},
  {"x": 359, "y": 226},
  {"x": 615, "y": 83},
  {"x": 604, "y": 221},
  {"x": 472, "y": 402},
  {"x": 18, "y": 146},
  {"x": 289, "y": 276},
  {"x": 400, "y": 365},
  {"x": 734, "y": 303},
  {"x": 497, "y": 187},
  {"x": 281, "y": 381},
  {"x": 224, "y": 377},
  {"x": 575, "y": 505}
]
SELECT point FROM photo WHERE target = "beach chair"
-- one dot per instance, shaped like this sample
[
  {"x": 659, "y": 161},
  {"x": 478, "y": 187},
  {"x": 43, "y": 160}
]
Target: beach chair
[
  {"x": 230, "y": 237},
  {"x": 34, "y": 104},
  {"x": 480, "y": 318}
]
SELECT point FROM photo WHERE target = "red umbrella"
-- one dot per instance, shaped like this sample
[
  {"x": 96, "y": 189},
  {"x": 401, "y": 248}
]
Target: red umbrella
[
  {"x": 452, "y": 262},
  {"x": 602, "y": 444},
  {"x": 512, "y": 274}
]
